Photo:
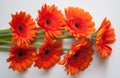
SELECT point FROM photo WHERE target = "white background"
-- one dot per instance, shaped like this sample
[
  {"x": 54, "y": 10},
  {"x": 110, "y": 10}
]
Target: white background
[{"x": 99, "y": 9}]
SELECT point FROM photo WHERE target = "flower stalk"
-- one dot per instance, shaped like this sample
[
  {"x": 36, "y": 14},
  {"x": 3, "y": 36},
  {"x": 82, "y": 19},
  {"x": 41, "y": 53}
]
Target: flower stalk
[
  {"x": 5, "y": 31},
  {"x": 6, "y": 49}
]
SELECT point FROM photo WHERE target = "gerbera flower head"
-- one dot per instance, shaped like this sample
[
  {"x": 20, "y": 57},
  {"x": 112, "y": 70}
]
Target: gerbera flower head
[
  {"x": 51, "y": 20},
  {"x": 21, "y": 57},
  {"x": 49, "y": 54},
  {"x": 23, "y": 27},
  {"x": 78, "y": 58},
  {"x": 104, "y": 36},
  {"x": 79, "y": 22}
]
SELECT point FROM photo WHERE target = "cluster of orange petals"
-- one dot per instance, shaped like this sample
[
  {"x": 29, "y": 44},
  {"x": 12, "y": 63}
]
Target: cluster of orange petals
[
  {"x": 21, "y": 57},
  {"x": 23, "y": 27},
  {"x": 104, "y": 36},
  {"x": 51, "y": 20},
  {"x": 78, "y": 58},
  {"x": 49, "y": 54},
  {"x": 79, "y": 22}
]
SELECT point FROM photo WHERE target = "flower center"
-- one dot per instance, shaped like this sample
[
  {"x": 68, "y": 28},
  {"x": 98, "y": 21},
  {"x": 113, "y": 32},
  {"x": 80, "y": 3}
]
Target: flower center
[
  {"x": 77, "y": 25},
  {"x": 76, "y": 54},
  {"x": 20, "y": 54},
  {"x": 46, "y": 52},
  {"x": 20, "y": 28},
  {"x": 47, "y": 21}
]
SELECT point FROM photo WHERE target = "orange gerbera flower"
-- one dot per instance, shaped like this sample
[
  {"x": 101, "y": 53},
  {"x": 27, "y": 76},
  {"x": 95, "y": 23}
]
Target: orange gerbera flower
[
  {"x": 79, "y": 22},
  {"x": 51, "y": 21},
  {"x": 78, "y": 58},
  {"x": 23, "y": 27},
  {"x": 49, "y": 54},
  {"x": 105, "y": 35},
  {"x": 21, "y": 57}
]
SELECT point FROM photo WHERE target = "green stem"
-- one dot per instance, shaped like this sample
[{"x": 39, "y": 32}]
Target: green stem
[
  {"x": 92, "y": 38},
  {"x": 40, "y": 32},
  {"x": 7, "y": 39},
  {"x": 6, "y": 36},
  {"x": 37, "y": 44},
  {"x": 65, "y": 49},
  {"x": 4, "y": 49},
  {"x": 66, "y": 36},
  {"x": 40, "y": 37},
  {"x": 62, "y": 37},
  {"x": 5, "y": 42},
  {"x": 5, "y": 31}
]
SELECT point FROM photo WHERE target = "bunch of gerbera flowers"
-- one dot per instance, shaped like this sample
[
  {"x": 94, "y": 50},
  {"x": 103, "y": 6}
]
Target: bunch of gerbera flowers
[{"x": 39, "y": 41}]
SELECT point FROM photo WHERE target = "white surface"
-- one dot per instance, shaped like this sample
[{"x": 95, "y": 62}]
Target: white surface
[{"x": 99, "y": 9}]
